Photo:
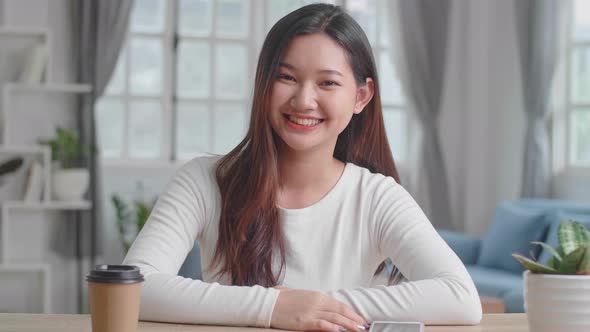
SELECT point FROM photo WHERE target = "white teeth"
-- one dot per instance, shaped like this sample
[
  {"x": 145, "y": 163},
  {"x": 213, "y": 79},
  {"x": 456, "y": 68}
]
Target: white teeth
[{"x": 304, "y": 122}]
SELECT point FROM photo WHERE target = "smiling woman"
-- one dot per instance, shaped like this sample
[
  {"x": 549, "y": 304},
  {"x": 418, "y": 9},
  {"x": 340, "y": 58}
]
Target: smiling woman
[
  {"x": 295, "y": 222},
  {"x": 315, "y": 93}
]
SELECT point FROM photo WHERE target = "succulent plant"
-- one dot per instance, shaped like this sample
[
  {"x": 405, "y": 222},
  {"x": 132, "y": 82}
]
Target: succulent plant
[{"x": 572, "y": 255}]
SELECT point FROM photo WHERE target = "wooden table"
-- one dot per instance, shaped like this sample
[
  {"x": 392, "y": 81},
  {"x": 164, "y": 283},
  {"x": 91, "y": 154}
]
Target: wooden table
[
  {"x": 81, "y": 323},
  {"x": 492, "y": 305}
]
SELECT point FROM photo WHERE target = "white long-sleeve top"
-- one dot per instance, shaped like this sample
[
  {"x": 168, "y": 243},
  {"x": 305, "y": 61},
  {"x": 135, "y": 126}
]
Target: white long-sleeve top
[{"x": 334, "y": 246}]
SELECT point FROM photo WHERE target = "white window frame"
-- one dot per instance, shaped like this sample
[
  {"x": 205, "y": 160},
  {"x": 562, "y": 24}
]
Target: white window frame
[
  {"x": 563, "y": 104},
  {"x": 171, "y": 37}
]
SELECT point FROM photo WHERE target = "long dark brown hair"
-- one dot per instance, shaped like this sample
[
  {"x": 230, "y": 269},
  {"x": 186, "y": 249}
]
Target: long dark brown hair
[{"x": 250, "y": 234}]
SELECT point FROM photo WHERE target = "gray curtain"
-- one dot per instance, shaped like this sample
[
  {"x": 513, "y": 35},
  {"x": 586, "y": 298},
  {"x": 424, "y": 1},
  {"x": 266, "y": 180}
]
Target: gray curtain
[
  {"x": 100, "y": 28},
  {"x": 418, "y": 31},
  {"x": 537, "y": 22}
]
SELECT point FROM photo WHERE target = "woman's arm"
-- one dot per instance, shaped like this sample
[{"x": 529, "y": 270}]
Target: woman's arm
[
  {"x": 438, "y": 291},
  {"x": 181, "y": 214}
]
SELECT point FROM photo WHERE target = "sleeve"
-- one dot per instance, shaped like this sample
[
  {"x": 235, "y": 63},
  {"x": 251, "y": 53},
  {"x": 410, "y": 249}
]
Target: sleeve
[
  {"x": 159, "y": 250},
  {"x": 438, "y": 289}
]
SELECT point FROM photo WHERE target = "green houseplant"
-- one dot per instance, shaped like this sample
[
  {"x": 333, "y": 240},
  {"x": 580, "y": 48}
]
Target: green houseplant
[
  {"x": 69, "y": 179},
  {"x": 572, "y": 256},
  {"x": 67, "y": 148},
  {"x": 557, "y": 294},
  {"x": 130, "y": 222}
]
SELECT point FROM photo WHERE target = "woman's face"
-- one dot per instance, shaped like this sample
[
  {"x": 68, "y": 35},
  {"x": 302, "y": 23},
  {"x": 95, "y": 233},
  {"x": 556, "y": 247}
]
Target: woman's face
[{"x": 314, "y": 94}]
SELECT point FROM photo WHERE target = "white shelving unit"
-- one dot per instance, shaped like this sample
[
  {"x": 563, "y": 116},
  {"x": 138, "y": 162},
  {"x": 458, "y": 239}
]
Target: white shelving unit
[
  {"x": 29, "y": 112},
  {"x": 32, "y": 295}
]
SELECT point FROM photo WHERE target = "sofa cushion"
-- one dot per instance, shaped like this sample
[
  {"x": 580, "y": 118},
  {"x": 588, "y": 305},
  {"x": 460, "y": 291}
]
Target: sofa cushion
[
  {"x": 513, "y": 228},
  {"x": 466, "y": 247},
  {"x": 554, "y": 218},
  {"x": 494, "y": 282},
  {"x": 514, "y": 301},
  {"x": 553, "y": 204}
]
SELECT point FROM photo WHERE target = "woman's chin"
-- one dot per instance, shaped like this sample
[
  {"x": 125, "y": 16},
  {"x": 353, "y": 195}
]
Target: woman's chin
[{"x": 299, "y": 145}]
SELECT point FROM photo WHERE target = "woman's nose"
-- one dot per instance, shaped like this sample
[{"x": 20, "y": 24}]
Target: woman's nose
[{"x": 304, "y": 99}]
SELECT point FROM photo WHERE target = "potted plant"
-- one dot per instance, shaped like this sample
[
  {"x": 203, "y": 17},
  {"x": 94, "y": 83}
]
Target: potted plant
[
  {"x": 557, "y": 295},
  {"x": 70, "y": 180},
  {"x": 129, "y": 222}
]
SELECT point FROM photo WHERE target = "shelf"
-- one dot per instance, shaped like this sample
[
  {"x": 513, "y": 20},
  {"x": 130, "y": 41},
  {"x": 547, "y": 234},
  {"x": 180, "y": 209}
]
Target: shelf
[
  {"x": 23, "y": 32},
  {"x": 53, "y": 205},
  {"x": 24, "y": 267},
  {"x": 51, "y": 87},
  {"x": 28, "y": 285},
  {"x": 23, "y": 149}
]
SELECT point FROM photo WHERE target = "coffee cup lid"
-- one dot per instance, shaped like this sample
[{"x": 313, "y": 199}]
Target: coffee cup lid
[{"x": 115, "y": 274}]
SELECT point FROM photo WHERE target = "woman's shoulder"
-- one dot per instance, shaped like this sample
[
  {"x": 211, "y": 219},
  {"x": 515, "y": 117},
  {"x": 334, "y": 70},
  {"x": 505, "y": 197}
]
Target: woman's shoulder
[
  {"x": 198, "y": 172},
  {"x": 368, "y": 179},
  {"x": 200, "y": 166}
]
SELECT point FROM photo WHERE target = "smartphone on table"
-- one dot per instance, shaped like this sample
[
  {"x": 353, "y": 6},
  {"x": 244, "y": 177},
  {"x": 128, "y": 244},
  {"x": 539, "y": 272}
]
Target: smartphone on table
[{"x": 390, "y": 326}]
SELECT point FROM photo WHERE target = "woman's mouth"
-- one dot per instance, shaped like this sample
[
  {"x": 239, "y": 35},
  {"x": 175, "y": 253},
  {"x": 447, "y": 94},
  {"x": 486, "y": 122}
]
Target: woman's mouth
[{"x": 298, "y": 122}]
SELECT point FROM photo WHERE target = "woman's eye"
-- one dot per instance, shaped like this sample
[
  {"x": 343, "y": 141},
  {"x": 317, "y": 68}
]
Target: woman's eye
[
  {"x": 286, "y": 77},
  {"x": 329, "y": 83}
]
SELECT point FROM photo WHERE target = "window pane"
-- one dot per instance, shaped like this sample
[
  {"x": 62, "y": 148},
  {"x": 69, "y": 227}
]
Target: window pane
[
  {"x": 391, "y": 91},
  {"x": 110, "y": 120},
  {"x": 230, "y": 126},
  {"x": 148, "y": 16},
  {"x": 580, "y": 136},
  {"x": 365, "y": 13},
  {"x": 146, "y": 66},
  {"x": 192, "y": 130},
  {"x": 581, "y": 75},
  {"x": 582, "y": 20},
  {"x": 195, "y": 16},
  {"x": 395, "y": 127},
  {"x": 279, "y": 8},
  {"x": 117, "y": 83},
  {"x": 307, "y": 2},
  {"x": 384, "y": 15},
  {"x": 145, "y": 128},
  {"x": 231, "y": 70},
  {"x": 193, "y": 76},
  {"x": 232, "y": 18}
]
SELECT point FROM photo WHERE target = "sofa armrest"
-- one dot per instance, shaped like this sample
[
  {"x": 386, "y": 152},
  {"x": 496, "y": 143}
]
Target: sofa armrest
[{"x": 467, "y": 248}]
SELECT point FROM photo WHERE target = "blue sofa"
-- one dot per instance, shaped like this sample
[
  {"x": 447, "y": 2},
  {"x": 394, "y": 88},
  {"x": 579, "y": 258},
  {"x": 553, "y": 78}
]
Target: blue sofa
[{"x": 516, "y": 223}]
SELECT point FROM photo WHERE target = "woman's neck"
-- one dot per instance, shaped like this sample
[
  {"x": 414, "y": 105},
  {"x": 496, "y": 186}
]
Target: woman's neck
[{"x": 304, "y": 178}]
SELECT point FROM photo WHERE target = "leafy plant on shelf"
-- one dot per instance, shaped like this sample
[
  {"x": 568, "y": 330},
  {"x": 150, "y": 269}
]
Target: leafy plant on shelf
[
  {"x": 130, "y": 222},
  {"x": 572, "y": 255},
  {"x": 67, "y": 148}
]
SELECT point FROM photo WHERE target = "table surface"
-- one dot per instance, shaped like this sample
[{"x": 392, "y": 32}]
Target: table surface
[{"x": 71, "y": 323}]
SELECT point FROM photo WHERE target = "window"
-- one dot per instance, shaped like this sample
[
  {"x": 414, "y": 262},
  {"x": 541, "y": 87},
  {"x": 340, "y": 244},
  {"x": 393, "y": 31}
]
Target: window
[
  {"x": 183, "y": 83},
  {"x": 578, "y": 96}
]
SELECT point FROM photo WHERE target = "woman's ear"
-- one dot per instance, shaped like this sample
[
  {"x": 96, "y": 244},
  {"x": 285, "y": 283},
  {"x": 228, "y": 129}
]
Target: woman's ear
[{"x": 364, "y": 94}]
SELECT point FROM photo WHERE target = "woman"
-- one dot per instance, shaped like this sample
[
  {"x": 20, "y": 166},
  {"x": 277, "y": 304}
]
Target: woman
[{"x": 293, "y": 223}]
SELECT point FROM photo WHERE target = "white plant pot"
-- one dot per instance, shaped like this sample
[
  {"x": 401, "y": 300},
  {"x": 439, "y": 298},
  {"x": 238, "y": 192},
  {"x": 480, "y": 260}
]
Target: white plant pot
[
  {"x": 557, "y": 302},
  {"x": 70, "y": 184}
]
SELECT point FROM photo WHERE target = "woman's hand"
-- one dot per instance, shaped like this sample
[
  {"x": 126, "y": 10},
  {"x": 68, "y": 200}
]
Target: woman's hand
[{"x": 309, "y": 310}]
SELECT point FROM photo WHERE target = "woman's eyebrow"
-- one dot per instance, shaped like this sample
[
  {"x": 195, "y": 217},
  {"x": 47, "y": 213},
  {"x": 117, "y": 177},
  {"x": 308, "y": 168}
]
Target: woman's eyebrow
[{"x": 326, "y": 71}]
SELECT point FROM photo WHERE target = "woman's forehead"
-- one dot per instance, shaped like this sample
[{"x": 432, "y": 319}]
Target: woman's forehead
[{"x": 316, "y": 52}]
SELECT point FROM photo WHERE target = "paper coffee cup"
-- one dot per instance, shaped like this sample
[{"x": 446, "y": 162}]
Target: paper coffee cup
[{"x": 114, "y": 292}]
